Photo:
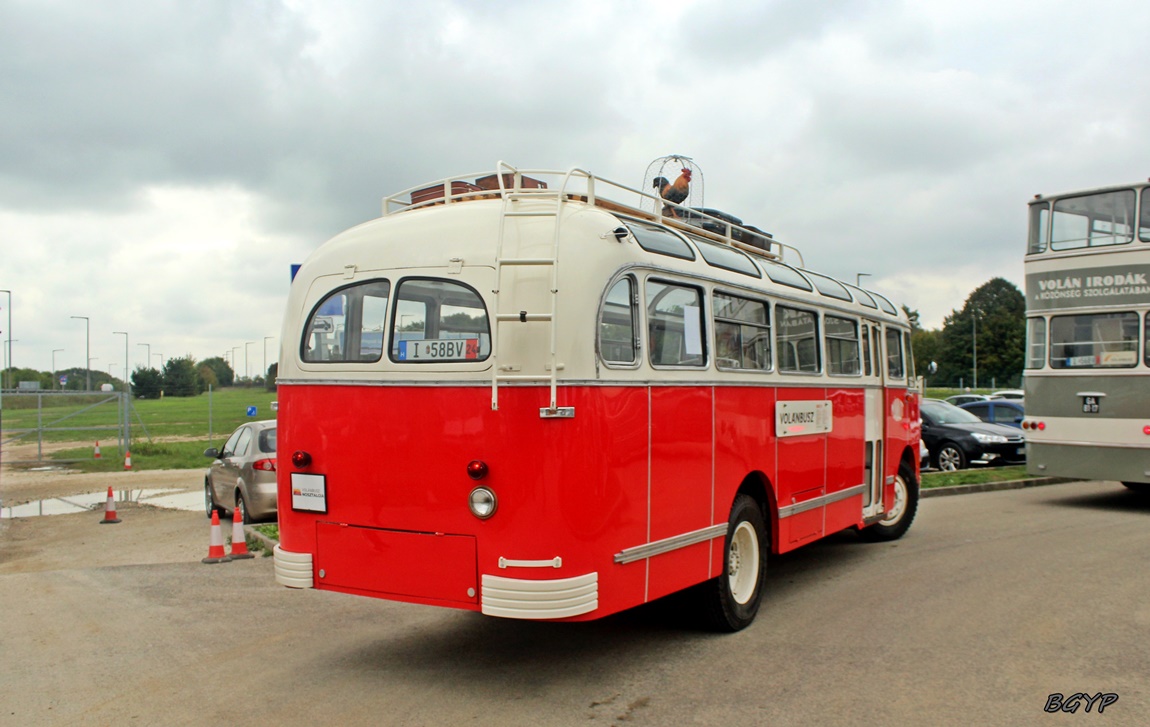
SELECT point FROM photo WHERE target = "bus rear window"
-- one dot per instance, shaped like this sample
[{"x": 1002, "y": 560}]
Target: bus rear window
[
  {"x": 347, "y": 326},
  {"x": 438, "y": 321},
  {"x": 1094, "y": 341}
]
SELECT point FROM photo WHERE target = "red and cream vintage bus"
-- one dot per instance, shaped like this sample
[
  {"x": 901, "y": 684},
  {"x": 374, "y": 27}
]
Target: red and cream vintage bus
[{"x": 517, "y": 395}]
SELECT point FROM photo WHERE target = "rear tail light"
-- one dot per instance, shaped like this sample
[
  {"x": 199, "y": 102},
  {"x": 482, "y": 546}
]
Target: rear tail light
[
  {"x": 264, "y": 465},
  {"x": 300, "y": 459},
  {"x": 1039, "y": 426}
]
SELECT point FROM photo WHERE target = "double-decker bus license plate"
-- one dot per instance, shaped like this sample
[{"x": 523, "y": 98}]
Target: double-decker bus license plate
[
  {"x": 1091, "y": 404},
  {"x": 450, "y": 349}
]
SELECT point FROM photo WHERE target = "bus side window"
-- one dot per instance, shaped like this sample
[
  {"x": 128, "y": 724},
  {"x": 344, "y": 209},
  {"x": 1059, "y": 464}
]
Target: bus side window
[
  {"x": 617, "y": 324},
  {"x": 894, "y": 359},
  {"x": 842, "y": 340},
  {"x": 797, "y": 339},
  {"x": 675, "y": 325},
  {"x": 742, "y": 333},
  {"x": 866, "y": 350}
]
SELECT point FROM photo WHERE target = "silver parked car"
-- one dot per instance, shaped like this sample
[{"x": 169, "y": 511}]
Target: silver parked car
[{"x": 244, "y": 473}]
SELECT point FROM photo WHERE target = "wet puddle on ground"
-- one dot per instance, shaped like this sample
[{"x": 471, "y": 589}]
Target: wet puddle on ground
[{"x": 169, "y": 499}]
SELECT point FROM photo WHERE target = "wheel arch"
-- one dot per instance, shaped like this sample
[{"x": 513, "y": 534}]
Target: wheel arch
[{"x": 757, "y": 486}]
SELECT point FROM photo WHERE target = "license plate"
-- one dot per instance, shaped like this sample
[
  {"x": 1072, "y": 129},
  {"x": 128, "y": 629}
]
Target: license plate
[{"x": 451, "y": 349}]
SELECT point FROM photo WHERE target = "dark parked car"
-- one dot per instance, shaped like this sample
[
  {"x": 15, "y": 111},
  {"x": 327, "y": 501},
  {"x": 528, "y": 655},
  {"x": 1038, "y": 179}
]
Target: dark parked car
[
  {"x": 244, "y": 472},
  {"x": 956, "y": 438},
  {"x": 998, "y": 411}
]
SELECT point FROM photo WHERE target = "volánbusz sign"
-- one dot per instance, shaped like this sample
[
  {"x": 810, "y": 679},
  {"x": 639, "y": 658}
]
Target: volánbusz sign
[{"x": 1109, "y": 286}]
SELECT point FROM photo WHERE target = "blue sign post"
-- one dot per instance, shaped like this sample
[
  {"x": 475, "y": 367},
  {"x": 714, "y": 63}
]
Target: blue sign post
[{"x": 251, "y": 411}]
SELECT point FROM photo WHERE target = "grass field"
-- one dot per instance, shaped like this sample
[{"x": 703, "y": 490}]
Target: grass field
[{"x": 169, "y": 433}]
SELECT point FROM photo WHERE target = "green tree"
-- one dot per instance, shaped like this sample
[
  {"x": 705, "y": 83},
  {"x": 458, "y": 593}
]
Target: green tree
[
  {"x": 225, "y": 376},
  {"x": 147, "y": 383},
  {"x": 273, "y": 371},
  {"x": 180, "y": 377},
  {"x": 207, "y": 376},
  {"x": 995, "y": 316}
]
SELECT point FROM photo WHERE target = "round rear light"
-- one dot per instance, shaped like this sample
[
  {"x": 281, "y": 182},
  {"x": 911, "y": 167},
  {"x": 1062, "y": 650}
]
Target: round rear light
[
  {"x": 482, "y": 503},
  {"x": 476, "y": 469},
  {"x": 1041, "y": 426},
  {"x": 1146, "y": 429},
  {"x": 300, "y": 458}
]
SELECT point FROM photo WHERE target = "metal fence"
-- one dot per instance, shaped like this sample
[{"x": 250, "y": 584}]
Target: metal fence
[{"x": 85, "y": 413}]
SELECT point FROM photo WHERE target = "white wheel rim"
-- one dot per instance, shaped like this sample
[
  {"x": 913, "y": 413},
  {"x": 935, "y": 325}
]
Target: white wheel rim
[
  {"x": 948, "y": 459},
  {"x": 899, "y": 507},
  {"x": 743, "y": 563}
]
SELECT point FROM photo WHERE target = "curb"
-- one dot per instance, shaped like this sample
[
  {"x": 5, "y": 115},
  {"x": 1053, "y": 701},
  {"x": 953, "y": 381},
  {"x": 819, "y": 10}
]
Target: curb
[
  {"x": 264, "y": 540},
  {"x": 993, "y": 486}
]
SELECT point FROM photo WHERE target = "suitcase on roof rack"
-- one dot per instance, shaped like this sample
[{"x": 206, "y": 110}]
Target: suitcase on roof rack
[
  {"x": 492, "y": 182},
  {"x": 436, "y": 192}
]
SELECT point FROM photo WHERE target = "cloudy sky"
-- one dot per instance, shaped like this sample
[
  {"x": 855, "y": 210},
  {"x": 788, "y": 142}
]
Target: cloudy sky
[{"x": 163, "y": 163}]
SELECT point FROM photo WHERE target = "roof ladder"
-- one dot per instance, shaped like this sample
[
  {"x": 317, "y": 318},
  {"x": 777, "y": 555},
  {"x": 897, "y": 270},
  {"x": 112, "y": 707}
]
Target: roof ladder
[{"x": 511, "y": 209}]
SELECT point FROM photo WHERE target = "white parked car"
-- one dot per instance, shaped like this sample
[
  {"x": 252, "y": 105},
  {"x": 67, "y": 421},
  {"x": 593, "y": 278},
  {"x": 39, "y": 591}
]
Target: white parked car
[{"x": 1009, "y": 394}]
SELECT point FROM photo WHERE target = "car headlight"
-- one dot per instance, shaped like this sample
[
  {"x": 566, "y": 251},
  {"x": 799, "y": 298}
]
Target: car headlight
[{"x": 989, "y": 438}]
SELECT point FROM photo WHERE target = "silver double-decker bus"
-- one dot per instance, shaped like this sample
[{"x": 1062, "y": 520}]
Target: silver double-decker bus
[{"x": 1087, "y": 374}]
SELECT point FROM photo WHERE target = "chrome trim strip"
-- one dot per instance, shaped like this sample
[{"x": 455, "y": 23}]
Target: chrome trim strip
[
  {"x": 556, "y": 562},
  {"x": 641, "y": 552},
  {"x": 820, "y": 501},
  {"x": 1095, "y": 445}
]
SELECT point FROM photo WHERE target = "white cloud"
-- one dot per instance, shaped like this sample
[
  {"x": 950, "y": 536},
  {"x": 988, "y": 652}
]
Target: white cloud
[{"x": 166, "y": 162}]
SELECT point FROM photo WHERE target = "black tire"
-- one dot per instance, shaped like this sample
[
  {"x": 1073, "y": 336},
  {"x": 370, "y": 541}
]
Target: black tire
[
  {"x": 903, "y": 512},
  {"x": 209, "y": 498},
  {"x": 731, "y": 601},
  {"x": 1142, "y": 488},
  {"x": 950, "y": 458},
  {"x": 243, "y": 505}
]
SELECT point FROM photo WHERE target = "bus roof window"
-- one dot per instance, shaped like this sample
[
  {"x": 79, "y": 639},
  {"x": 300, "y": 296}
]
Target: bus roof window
[
  {"x": 883, "y": 303},
  {"x": 863, "y": 297},
  {"x": 827, "y": 286},
  {"x": 728, "y": 258},
  {"x": 660, "y": 240},
  {"x": 785, "y": 275}
]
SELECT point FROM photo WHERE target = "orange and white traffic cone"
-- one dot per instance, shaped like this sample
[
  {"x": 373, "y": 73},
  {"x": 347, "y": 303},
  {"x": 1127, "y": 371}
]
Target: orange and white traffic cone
[
  {"x": 127, "y": 460},
  {"x": 110, "y": 510},
  {"x": 239, "y": 540},
  {"x": 216, "y": 544},
  {"x": 96, "y": 455}
]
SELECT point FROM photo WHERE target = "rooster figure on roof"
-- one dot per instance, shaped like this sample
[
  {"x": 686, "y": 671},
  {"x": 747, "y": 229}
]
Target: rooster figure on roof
[
  {"x": 674, "y": 192},
  {"x": 686, "y": 190}
]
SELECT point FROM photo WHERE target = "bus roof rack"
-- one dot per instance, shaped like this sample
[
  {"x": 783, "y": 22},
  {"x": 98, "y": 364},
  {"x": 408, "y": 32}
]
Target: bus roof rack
[{"x": 580, "y": 186}]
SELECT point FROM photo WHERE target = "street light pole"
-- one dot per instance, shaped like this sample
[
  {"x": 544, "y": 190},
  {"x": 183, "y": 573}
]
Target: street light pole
[
  {"x": 7, "y": 369},
  {"x": 148, "y": 360},
  {"x": 87, "y": 352},
  {"x": 127, "y": 395},
  {"x": 235, "y": 361},
  {"x": 161, "y": 360},
  {"x": 55, "y": 380},
  {"x": 974, "y": 335},
  {"x": 266, "y": 338},
  {"x": 247, "y": 372}
]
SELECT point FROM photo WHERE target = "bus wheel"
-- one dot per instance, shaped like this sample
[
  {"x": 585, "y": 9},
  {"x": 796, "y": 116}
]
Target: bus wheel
[
  {"x": 902, "y": 512},
  {"x": 731, "y": 601},
  {"x": 951, "y": 458}
]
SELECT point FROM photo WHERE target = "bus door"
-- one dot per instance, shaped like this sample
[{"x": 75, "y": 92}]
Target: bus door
[{"x": 875, "y": 416}]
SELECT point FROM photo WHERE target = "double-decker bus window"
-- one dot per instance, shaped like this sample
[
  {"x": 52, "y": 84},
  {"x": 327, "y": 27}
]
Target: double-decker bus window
[
  {"x": 895, "y": 368},
  {"x": 437, "y": 321},
  {"x": 1094, "y": 340},
  {"x": 675, "y": 324},
  {"x": 653, "y": 238},
  {"x": 617, "y": 324},
  {"x": 797, "y": 339},
  {"x": 842, "y": 346},
  {"x": 1035, "y": 343},
  {"x": 1144, "y": 219},
  {"x": 1093, "y": 220},
  {"x": 1039, "y": 226},
  {"x": 742, "y": 333},
  {"x": 347, "y": 326}
]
